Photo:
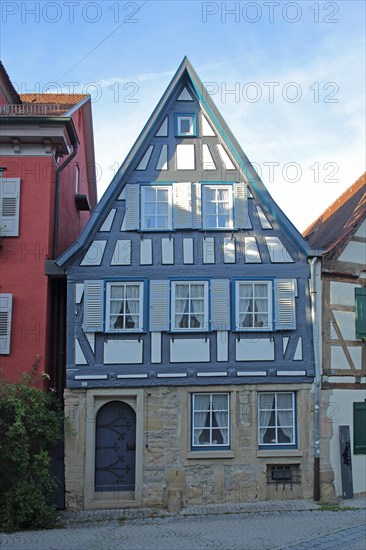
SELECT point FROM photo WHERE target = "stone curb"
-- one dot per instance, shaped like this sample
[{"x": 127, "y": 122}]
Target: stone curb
[{"x": 125, "y": 514}]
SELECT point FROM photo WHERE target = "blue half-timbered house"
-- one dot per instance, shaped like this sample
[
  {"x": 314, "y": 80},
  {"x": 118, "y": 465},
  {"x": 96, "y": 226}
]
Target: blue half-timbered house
[{"x": 190, "y": 354}]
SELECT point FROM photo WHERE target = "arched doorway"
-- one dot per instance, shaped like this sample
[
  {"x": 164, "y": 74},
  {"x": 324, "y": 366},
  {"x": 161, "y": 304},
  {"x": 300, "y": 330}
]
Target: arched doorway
[{"x": 115, "y": 447}]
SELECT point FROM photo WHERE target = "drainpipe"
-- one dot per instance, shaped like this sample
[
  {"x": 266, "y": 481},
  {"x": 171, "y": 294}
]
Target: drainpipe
[
  {"x": 316, "y": 343},
  {"x": 57, "y": 198}
]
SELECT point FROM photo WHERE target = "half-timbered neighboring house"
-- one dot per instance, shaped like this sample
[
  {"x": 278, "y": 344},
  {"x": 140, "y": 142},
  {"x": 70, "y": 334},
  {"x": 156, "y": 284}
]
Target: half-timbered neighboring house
[
  {"x": 341, "y": 232},
  {"x": 190, "y": 348}
]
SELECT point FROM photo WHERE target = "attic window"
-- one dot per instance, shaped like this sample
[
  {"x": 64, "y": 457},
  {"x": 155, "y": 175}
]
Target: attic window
[{"x": 185, "y": 125}]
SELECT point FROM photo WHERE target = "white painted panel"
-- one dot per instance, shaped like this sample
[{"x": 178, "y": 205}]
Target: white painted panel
[
  {"x": 145, "y": 159},
  {"x": 341, "y": 379},
  {"x": 79, "y": 355},
  {"x": 94, "y": 255},
  {"x": 291, "y": 373},
  {"x": 185, "y": 156},
  {"x": 206, "y": 127},
  {"x": 107, "y": 224},
  {"x": 189, "y": 351},
  {"x": 332, "y": 332},
  {"x": 91, "y": 377},
  {"x": 125, "y": 352},
  {"x": 251, "y": 251},
  {"x": 277, "y": 250},
  {"x": 156, "y": 347},
  {"x": 229, "y": 250},
  {"x": 285, "y": 341},
  {"x": 354, "y": 252},
  {"x": 225, "y": 158},
  {"x": 222, "y": 345},
  {"x": 251, "y": 373},
  {"x": 342, "y": 294},
  {"x": 122, "y": 195},
  {"x": 146, "y": 252},
  {"x": 263, "y": 219},
  {"x": 211, "y": 374},
  {"x": 361, "y": 231},
  {"x": 163, "y": 159},
  {"x": 124, "y": 222},
  {"x": 122, "y": 253},
  {"x": 208, "y": 245},
  {"x": 188, "y": 251},
  {"x": 167, "y": 251},
  {"x": 173, "y": 375},
  {"x": 207, "y": 160},
  {"x": 91, "y": 339},
  {"x": 79, "y": 291},
  {"x": 184, "y": 95},
  {"x": 163, "y": 130},
  {"x": 255, "y": 350},
  {"x": 127, "y": 376},
  {"x": 346, "y": 323},
  {"x": 298, "y": 351},
  {"x": 339, "y": 360}
]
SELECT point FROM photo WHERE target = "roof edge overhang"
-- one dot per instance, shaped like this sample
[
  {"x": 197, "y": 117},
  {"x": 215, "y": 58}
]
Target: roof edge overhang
[{"x": 44, "y": 121}]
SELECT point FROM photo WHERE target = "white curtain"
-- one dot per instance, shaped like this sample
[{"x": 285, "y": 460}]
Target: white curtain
[
  {"x": 266, "y": 406},
  {"x": 181, "y": 306},
  {"x": 201, "y": 410},
  {"x": 116, "y": 307},
  {"x": 220, "y": 408},
  {"x": 132, "y": 306},
  {"x": 245, "y": 305},
  {"x": 261, "y": 305},
  {"x": 285, "y": 414},
  {"x": 223, "y": 210},
  {"x": 197, "y": 306}
]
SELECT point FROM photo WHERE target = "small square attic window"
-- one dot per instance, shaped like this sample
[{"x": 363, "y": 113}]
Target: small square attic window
[{"x": 185, "y": 125}]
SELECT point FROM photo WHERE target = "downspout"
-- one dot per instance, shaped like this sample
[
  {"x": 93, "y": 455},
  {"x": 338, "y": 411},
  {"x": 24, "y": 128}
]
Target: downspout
[
  {"x": 57, "y": 198},
  {"x": 316, "y": 341}
]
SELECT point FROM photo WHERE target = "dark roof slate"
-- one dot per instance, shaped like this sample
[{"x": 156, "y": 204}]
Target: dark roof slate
[{"x": 336, "y": 225}]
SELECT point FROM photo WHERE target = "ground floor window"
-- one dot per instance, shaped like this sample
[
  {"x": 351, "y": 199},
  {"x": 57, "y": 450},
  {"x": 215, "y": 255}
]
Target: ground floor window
[
  {"x": 277, "y": 418},
  {"x": 210, "y": 420}
]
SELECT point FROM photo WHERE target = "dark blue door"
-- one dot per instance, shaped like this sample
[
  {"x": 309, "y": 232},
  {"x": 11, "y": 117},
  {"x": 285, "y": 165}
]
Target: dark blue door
[{"x": 115, "y": 448}]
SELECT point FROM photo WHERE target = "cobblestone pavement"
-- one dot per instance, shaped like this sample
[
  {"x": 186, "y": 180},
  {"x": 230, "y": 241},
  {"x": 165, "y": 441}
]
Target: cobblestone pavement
[{"x": 275, "y": 529}]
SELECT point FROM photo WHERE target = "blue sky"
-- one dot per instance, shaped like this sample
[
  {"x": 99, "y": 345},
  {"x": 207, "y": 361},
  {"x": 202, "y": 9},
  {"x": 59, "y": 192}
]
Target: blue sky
[{"x": 296, "y": 71}]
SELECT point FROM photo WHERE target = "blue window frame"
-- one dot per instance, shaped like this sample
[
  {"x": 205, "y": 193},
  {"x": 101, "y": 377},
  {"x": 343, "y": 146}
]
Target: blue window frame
[
  {"x": 210, "y": 421},
  {"x": 186, "y": 125},
  {"x": 276, "y": 419},
  {"x": 189, "y": 305},
  {"x": 125, "y": 306}
]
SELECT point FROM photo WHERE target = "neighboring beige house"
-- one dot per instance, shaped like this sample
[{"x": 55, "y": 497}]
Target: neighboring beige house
[{"x": 341, "y": 233}]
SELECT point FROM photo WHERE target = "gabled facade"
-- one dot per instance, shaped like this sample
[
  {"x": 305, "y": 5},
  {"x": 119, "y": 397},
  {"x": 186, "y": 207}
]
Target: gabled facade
[
  {"x": 47, "y": 189},
  {"x": 341, "y": 232},
  {"x": 190, "y": 353}
]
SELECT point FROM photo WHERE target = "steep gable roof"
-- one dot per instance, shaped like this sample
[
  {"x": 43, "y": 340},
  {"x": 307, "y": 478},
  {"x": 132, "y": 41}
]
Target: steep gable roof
[
  {"x": 336, "y": 225},
  {"x": 184, "y": 74}
]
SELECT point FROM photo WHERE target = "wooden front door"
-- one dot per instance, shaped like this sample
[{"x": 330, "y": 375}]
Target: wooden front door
[{"x": 115, "y": 451}]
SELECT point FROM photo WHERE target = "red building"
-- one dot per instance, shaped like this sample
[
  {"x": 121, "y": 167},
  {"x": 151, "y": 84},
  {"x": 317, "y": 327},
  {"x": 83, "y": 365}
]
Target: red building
[{"x": 47, "y": 190}]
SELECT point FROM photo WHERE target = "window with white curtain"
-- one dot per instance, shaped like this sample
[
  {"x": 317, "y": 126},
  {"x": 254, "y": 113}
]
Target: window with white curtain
[
  {"x": 189, "y": 305},
  {"x": 124, "y": 307},
  {"x": 217, "y": 206},
  {"x": 276, "y": 418},
  {"x": 156, "y": 207},
  {"x": 253, "y": 305},
  {"x": 210, "y": 420}
]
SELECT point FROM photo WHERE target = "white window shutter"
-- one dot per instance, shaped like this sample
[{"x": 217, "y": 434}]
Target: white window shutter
[
  {"x": 285, "y": 318},
  {"x": 242, "y": 219},
  {"x": 132, "y": 206},
  {"x": 93, "y": 306},
  {"x": 9, "y": 207},
  {"x": 5, "y": 322},
  {"x": 196, "y": 206},
  {"x": 220, "y": 304},
  {"x": 159, "y": 306},
  {"x": 182, "y": 205}
]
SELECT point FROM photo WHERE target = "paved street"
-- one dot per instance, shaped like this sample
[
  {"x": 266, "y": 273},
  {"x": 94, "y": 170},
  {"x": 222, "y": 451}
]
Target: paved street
[{"x": 300, "y": 527}]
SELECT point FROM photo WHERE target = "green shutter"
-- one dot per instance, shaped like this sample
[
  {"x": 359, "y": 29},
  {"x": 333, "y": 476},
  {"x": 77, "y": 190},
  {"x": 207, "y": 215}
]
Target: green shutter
[
  {"x": 359, "y": 428},
  {"x": 360, "y": 297}
]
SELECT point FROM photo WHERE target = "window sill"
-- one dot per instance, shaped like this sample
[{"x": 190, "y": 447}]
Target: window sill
[
  {"x": 276, "y": 453},
  {"x": 210, "y": 454}
]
